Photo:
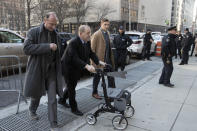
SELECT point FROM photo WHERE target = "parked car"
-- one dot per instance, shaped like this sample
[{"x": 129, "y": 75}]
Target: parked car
[
  {"x": 155, "y": 33},
  {"x": 65, "y": 38},
  {"x": 157, "y": 38},
  {"x": 137, "y": 46},
  {"x": 112, "y": 36},
  {"x": 11, "y": 43}
]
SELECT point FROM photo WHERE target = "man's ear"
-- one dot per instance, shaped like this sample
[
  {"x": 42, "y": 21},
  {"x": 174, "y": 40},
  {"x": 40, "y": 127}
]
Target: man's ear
[{"x": 45, "y": 19}]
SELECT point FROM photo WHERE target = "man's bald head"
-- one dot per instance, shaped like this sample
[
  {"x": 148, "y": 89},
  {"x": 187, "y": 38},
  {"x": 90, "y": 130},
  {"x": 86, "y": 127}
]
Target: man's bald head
[
  {"x": 50, "y": 21},
  {"x": 84, "y": 32}
]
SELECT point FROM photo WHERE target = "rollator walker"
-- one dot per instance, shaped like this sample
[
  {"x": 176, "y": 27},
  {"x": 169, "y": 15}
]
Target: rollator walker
[{"x": 116, "y": 101}]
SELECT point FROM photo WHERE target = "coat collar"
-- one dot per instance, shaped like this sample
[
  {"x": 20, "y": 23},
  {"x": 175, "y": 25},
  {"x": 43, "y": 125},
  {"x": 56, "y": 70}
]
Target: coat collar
[
  {"x": 80, "y": 41},
  {"x": 100, "y": 31},
  {"x": 42, "y": 28}
]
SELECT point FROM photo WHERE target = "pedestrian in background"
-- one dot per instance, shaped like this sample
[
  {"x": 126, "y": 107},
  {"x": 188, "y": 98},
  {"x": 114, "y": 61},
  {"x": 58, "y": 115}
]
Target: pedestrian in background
[
  {"x": 193, "y": 45},
  {"x": 195, "y": 50},
  {"x": 121, "y": 42},
  {"x": 101, "y": 45},
  {"x": 178, "y": 43},
  {"x": 167, "y": 52},
  {"x": 147, "y": 45},
  {"x": 186, "y": 46},
  {"x": 44, "y": 73}
]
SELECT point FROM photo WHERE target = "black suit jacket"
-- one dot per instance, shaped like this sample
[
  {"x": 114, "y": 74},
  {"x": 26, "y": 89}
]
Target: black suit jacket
[{"x": 75, "y": 57}]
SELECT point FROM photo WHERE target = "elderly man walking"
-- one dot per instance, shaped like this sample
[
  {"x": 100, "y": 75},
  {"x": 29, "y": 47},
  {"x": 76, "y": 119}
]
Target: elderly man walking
[
  {"x": 75, "y": 61},
  {"x": 44, "y": 67}
]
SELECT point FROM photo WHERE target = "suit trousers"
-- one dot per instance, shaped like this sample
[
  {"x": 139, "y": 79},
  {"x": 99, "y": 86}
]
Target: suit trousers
[
  {"x": 50, "y": 83},
  {"x": 96, "y": 80},
  {"x": 70, "y": 93},
  {"x": 166, "y": 72}
]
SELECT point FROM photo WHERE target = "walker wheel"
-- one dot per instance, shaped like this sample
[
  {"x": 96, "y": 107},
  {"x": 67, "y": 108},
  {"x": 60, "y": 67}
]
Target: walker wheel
[
  {"x": 129, "y": 111},
  {"x": 119, "y": 122},
  {"x": 91, "y": 119}
]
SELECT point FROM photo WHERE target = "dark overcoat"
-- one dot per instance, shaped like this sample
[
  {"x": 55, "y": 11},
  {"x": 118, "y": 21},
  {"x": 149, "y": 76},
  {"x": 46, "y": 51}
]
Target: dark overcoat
[
  {"x": 75, "y": 57},
  {"x": 34, "y": 84}
]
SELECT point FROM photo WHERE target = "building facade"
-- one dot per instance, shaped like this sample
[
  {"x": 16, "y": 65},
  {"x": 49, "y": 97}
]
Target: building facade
[
  {"x": 154, "y": 15},
  {"x": 187, "y": 15},
  {"x": 117, "y": 11},
  {"x": 12, "y": 14}
]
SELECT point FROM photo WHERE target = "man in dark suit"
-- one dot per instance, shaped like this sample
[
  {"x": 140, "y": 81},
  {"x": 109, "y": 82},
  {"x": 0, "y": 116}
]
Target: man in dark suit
[{"x": 75, "y": 61}]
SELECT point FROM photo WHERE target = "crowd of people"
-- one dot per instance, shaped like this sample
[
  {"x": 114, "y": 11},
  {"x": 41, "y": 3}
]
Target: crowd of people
[{"x": 46, "y": 66}]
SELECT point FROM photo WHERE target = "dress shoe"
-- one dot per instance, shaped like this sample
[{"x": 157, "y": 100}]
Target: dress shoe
[
  {"x": 63, "y": 103},
  {"x": 77, "y": 112},
  {"x": 33, "y": 116},
  {"x": 160, "y": 82},
  {"x": 169, "y": 85},
  {"x": 181, "y": 63},
  {"x": 54, "y": 129},
  {"x": 149, "y": 59},
  {"x": 54, "y": 126},
  {"x": 96, "y": 96}
]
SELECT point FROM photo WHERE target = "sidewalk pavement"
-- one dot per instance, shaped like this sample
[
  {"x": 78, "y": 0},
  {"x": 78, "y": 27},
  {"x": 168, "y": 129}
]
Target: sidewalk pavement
[{"x": 157, "y": 108}]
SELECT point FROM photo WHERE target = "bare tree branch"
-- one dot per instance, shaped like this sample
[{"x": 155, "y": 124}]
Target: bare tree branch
[
  {"x": 60, "y": 7},
  {"x": 79, "y": 9},
  {"x": 30, "y": 5},
  {"x": 103, "y": 10}
]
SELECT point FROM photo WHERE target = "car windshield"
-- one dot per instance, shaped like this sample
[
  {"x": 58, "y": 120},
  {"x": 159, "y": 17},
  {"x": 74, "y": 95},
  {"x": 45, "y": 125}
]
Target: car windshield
[
  {"x": 134, "y": 36},
  {"x": 156, "y": 37}
]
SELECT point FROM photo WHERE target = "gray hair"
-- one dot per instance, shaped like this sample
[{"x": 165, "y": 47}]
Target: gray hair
[
  {"x": 83, "y": 28},
  {"x": 51, "y": 14}
]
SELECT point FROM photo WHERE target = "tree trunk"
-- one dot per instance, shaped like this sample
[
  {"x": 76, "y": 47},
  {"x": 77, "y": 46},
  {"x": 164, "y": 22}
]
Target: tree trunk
[{"x": 28, "y": 15}]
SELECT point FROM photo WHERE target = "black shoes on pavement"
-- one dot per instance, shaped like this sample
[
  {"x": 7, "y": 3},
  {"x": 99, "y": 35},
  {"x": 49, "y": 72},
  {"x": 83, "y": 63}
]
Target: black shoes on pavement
[
  {"x": 169, "y": 85},
  {"x": 66, "y": 105},
  {"x": 33, "y": 116},
  {"x": 183, "y": 63},
  {"x": 77, "y": 112}
]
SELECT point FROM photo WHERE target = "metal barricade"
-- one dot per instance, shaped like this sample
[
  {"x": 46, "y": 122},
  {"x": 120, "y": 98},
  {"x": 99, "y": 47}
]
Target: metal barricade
[{"x": 11, "y": 77}]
